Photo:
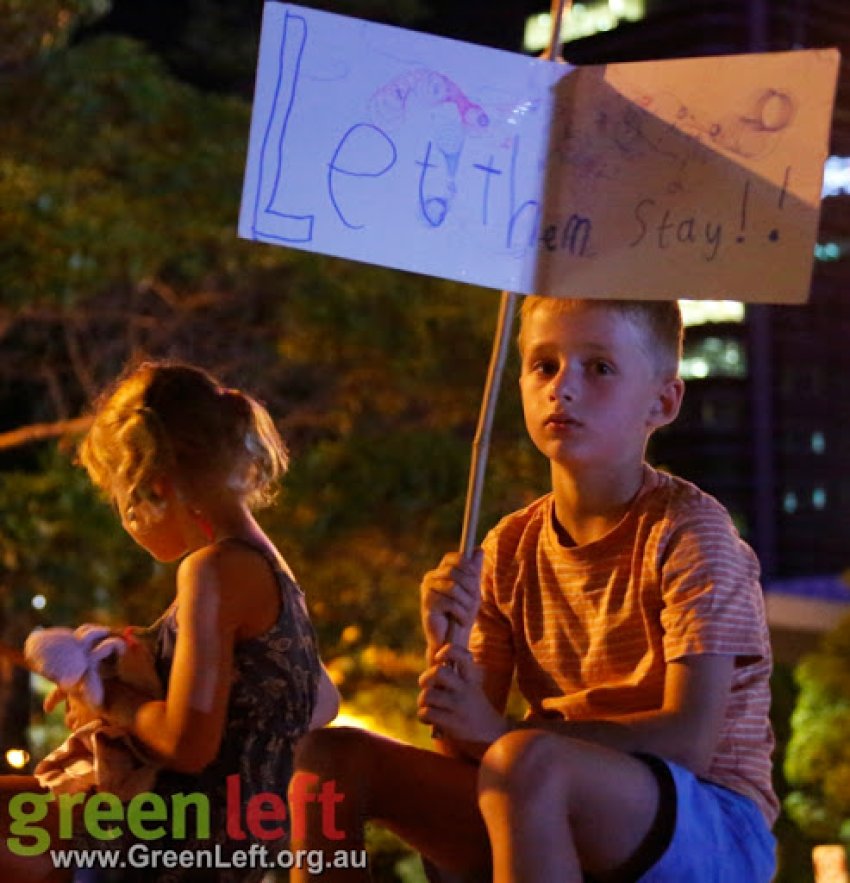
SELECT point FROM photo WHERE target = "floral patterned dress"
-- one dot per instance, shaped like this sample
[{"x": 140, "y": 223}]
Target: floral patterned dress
[{"x": 275, "y": 679}]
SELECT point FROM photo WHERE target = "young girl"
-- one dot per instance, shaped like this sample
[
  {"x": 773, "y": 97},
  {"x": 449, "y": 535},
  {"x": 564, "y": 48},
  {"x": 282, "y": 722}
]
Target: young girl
[{"x": 185, "y": 461}]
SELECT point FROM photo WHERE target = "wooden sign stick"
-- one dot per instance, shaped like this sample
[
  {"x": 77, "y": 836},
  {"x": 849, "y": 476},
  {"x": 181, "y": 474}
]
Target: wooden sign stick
[
  {"x": 501, "y": 344},
  {"x": 495, "y": 370}
]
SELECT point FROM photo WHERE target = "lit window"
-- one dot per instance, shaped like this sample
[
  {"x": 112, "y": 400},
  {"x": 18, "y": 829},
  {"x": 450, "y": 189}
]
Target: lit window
[
  {"x": 713, "y": 357},
  {"x": 584, "y": 20},
  {"x": 536, "y": 35},
  {"x": 836, "y": 176},
  {"x": 828, "y": 251},
  {"x": 818, "y": 442},
  {"x": 704, "y": 312},
  {"x": 789, "y": 502},
  {"x": 693, "y": 368},
  {"x": 819, "y": 498}
]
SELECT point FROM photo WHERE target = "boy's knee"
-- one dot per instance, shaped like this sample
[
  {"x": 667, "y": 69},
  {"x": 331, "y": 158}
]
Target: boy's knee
[
  {"x": 330, "y": 750},
  {"x": 519, "y": 763}
]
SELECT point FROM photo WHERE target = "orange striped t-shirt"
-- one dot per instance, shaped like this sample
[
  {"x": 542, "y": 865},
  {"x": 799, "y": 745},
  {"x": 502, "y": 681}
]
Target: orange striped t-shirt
[{"x": 589, "y": 629}]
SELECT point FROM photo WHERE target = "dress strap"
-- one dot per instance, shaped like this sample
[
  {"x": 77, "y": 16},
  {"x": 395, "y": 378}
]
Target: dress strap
[{"x": 277, "y": 564}]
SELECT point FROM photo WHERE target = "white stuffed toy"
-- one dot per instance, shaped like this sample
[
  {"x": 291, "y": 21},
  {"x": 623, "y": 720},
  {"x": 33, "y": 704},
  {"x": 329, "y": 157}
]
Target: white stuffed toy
[
  {"x": 98, "y": 755},
  {"x": 82, "y": 657}
]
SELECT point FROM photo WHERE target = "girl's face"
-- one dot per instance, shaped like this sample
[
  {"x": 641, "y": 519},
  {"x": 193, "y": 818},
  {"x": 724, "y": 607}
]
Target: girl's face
[{"x": 157, "y": 525}]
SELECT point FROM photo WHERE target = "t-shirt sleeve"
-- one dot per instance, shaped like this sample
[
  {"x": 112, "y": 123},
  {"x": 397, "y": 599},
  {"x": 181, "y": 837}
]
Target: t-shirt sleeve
[
  {"x": 491, "y": 642},
  {"x": 711, "y": 595}
]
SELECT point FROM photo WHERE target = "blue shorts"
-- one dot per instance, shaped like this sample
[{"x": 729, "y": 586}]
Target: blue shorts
[{"x": 715, "y": 835}]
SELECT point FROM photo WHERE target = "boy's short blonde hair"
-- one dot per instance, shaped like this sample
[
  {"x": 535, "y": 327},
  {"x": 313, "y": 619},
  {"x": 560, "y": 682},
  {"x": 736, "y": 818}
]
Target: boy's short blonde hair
[{"x": 660, "y": 320}]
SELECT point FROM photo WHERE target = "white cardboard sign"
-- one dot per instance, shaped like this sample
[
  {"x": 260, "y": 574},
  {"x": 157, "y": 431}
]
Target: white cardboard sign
[{"x": 697, "y": 178}]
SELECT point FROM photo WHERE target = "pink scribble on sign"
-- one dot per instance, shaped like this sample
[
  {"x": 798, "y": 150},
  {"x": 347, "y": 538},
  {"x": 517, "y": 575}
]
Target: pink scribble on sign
[
  {"x": 423, "y": 90},
  {"x": 428, "y": 103}
]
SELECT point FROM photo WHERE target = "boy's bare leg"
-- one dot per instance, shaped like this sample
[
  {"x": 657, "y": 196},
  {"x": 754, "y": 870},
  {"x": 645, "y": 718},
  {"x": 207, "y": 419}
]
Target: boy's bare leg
[
  {"x": 429, "y": 800},
  {"x": 21, "y": 869},
  {"x": 556, "y": 805}
]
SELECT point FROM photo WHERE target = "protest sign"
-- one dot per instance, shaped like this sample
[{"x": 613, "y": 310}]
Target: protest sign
[{"x": 696, "y": 178}]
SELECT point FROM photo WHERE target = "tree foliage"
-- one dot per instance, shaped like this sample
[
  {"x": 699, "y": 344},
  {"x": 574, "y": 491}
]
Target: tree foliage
[
  {"x": 58, "y": 541},
  {"x": 119, "y": 191},
  {"x": 213, "y": 43},
  {"x": 817, "y": 763},
  {"x": 114, "y": 174},
  {"x": 30, "y": 28}
]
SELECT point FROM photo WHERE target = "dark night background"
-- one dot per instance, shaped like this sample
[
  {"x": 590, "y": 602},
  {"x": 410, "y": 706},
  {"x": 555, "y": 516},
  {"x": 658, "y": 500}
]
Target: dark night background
[
  {"x": 119, "y": 190},
  {"x": 166, "y": 25}
]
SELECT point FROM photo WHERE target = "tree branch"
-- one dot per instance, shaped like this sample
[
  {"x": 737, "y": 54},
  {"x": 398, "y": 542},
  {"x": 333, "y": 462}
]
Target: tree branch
[{"x": 39, "y": 431}]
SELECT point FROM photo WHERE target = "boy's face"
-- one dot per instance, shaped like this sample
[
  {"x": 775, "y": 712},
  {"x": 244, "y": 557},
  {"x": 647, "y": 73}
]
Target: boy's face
[{"x": 591, "y": 393}]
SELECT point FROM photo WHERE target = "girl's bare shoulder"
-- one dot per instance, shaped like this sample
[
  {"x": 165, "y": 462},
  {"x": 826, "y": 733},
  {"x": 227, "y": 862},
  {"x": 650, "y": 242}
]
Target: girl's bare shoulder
[{"x": 238, "y": 575}]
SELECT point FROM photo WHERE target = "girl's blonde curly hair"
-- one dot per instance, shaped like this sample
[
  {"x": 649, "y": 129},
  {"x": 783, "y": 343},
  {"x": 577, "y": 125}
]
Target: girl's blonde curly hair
[{"x": 166, "y": 418}]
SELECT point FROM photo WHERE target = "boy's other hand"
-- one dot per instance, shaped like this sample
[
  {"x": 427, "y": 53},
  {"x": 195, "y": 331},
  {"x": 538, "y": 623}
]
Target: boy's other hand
[
  {"x": 453, "y": 700},
  {"x": 452, "y": 591}
]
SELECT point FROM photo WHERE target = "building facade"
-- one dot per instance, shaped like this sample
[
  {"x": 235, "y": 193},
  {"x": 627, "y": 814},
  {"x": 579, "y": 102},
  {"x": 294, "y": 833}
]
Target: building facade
[{"x": 765, "y": 424}]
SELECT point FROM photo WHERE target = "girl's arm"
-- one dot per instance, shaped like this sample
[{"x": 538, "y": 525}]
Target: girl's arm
[
  {"x": 327, "y": 702},
  {"x": 185, "y": 729}
]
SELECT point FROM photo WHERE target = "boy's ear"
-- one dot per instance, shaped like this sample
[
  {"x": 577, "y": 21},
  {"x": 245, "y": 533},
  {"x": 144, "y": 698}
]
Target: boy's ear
[{"x": 665, "y": 407}]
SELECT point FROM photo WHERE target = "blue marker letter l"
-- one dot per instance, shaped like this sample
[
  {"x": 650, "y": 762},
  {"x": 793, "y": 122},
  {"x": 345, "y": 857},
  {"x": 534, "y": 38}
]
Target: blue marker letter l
[{"x": 287, "y": 227}]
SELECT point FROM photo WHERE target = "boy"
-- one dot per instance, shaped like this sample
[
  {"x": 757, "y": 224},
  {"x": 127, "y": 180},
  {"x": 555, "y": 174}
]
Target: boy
[{"x": 629, "y": 610}]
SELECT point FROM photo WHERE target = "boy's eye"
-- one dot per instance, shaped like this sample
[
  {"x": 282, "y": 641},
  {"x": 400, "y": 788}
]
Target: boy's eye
[
  {"x": 545, "y": 367},
  {"x": 601, "y": 368}
]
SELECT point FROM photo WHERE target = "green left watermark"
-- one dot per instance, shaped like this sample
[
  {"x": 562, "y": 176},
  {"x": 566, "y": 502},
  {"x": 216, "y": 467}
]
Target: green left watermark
[
  {"x": 147, "y": 816},
  {"x": 150, "y": 816}
]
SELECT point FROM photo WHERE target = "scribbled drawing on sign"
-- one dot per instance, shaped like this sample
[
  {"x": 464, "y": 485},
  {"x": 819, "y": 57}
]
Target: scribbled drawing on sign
[
  {"x": 425, "y": 89},
  {"x": 755, "y": 133},
  {"x": 622, "y": 134},
  {"x": 429, "y": 98},
  {"x": 654, "y": 126},
  {"x": 752, "y": 133},
  {"x": 641, "y": 128}
]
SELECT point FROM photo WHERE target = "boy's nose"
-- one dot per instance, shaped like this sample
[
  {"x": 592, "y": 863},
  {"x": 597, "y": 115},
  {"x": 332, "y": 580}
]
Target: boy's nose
[{"x": 563, "y": 386}]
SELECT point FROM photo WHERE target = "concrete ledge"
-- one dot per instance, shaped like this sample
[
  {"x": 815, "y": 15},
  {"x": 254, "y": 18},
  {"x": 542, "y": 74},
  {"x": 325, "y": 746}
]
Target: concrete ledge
[{"x": 803, "y": 614}]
